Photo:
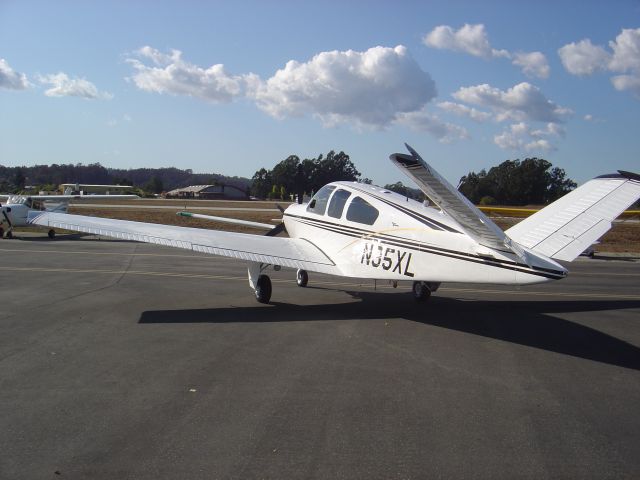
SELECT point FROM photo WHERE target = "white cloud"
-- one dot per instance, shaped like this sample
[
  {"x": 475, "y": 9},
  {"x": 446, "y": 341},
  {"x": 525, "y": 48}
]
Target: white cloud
[
  {"x": 422, "y": 121},
  {"x": 626, "y": 51},
  {"x": 522, "y": 102},
  {"x": 379, "y": 87},
  {"x": 533, "y": 64},
  {"x": 10, "y": 79},
  {"x": 63, "y": 86},
  {"x": 583, "y": 58},
  {"x": 368, "y": 88},
  {"x": 464, "y": 111},
  {"x": 627, "y": 82},
  {"x": 520, "y": 137},
  {"x": 473, "y": 39},
  {"x": 169, "y": 73}
]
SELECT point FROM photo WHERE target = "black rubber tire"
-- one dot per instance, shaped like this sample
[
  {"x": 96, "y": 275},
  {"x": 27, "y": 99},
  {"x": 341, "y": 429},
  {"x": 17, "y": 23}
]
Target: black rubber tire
[
  {"x": 1, "y": 232},
  {"x": 420, "y": 291},
  {"x": 263, "y": 289},
  {"x": 302, "y": 278},
  {"x": 51, "y": 233},
  {"x": 9, "y": 234}
]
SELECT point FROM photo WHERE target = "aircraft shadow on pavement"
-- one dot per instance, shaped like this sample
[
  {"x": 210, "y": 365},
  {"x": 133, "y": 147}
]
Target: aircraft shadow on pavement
[{"x": 529, "y": 323}]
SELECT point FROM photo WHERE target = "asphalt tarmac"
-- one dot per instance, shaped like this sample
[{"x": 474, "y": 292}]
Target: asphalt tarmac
[{"x": 123, "y": 360}]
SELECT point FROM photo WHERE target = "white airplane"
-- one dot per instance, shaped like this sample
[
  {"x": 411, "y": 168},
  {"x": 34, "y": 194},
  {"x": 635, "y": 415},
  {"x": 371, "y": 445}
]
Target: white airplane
[
  {"x": 355, "y": 230},
  {"x": 17, "y": 208}
]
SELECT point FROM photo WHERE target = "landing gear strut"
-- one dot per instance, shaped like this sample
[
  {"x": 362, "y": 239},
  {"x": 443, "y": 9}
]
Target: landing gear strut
[{"x": 260, "y": 283}]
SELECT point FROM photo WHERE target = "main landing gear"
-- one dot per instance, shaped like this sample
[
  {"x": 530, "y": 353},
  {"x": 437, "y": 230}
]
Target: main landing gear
[
  {"x": 261, "y": 283},
  {"x": 302, "y": 278},
  {"x": 423, "y": 290},
  {"x": 51, "y": 233}
]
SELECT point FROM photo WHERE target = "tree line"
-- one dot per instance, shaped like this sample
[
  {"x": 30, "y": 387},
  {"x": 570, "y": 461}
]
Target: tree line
[
  {"x": 153, "y": 180},
  {"x": 513, "y": 182}
]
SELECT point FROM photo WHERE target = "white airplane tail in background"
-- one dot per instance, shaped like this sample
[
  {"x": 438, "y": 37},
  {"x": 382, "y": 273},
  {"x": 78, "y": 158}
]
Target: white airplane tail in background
[{"x": 573, "y": 223}]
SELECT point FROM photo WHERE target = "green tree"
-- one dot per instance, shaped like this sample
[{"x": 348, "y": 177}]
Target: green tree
[
  {"x": 261, "y": 183},
  {"x": 516, "y": 182},
  {"x": 154, "y": 185},
  {"x": 316, "y": 173},
  {"x": 19, "y": 179},
  {"x": 402, "y": 189}
]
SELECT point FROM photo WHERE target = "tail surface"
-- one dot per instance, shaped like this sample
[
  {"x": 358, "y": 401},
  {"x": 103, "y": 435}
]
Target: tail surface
[{"x": 574, "y": 222}]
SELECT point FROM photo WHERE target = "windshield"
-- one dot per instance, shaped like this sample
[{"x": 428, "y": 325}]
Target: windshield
[{"x": 318, "y": 203}]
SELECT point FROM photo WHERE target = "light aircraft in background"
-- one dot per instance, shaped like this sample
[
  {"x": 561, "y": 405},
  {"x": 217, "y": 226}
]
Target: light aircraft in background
[
  {"x": 355, "y": 230},
  {"x": 16, "y": 209}
]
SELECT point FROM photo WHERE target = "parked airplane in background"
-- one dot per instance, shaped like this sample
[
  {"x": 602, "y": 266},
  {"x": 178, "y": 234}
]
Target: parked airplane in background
[
  {"x": 16, "y": 209},
  {"x": 357, "y": 230}
]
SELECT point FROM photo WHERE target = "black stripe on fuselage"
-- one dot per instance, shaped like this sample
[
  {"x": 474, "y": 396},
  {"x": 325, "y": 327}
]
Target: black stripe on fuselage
[{"x": 392, "y": 240}]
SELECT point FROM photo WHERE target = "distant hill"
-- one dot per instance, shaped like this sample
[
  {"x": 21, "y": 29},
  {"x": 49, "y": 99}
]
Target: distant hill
[{"x": 171, "y": 177}]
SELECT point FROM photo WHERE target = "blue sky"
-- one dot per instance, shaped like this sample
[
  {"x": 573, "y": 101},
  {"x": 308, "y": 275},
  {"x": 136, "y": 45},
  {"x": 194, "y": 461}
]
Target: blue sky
[{"x": 229, "y": 87}]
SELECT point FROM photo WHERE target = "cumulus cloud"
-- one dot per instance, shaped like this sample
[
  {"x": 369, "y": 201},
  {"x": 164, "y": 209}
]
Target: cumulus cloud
[
  {"x": 584, "y": 58},
  {"x": 369, "y": 88},
  {"x": 377, "y": 88},
  {"x": 626, "y": 51},
  {"x": 10, "y": 79},
  {"x": 522, "y": 102},
  {"x": 63, "y": 86},
  {"x": 464, "y": 111},
  {"x": 520, "y": 136},
  {"x": 422, "y": 121},
  {"x": 169, "y": 73},
  {"x": 473, "y": 39},
  {"x": 533, "y": 64}
]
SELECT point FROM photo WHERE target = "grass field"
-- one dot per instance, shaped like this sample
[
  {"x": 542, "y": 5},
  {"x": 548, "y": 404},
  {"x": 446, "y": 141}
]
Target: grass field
[{"x": 624, "y": 237}]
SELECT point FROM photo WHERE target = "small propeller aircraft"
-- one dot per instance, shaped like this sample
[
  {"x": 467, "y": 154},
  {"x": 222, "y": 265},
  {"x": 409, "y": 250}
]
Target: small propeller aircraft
[
  {"x": 16, "y": 209},
  {"x": 356, "y": 230}
]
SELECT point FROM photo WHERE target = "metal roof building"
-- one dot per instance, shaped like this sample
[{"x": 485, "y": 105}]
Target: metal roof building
[{"x": 209, "y": 192}]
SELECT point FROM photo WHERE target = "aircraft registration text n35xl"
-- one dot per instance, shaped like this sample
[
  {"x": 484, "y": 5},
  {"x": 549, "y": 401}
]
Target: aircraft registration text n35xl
[{"x": 363, "y": 231}]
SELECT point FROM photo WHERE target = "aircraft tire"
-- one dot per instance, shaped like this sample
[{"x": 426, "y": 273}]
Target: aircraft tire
[
  {"x": 263, "y": 289},
  {"x": 421, "y": 291},
  {"x": 9, "y": 234},
  {"x": 1, "y": 232},
  {"x": 302, "y": 278},
  {"x": 51, "y": 233}
]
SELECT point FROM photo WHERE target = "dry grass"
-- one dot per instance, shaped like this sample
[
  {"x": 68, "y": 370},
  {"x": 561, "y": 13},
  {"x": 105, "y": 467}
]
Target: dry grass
[{"x": 624, "y": 237}]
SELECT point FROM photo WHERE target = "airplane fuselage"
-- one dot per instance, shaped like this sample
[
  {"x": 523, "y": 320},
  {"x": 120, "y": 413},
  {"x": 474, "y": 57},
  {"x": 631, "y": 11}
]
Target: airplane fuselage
[{"x": 370, "y": 232}]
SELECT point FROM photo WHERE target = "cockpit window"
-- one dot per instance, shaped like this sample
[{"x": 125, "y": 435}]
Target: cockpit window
[
  {"x": 336, "y": 206},
  {"x": 362, "y": 212},
  {"x": 318, "y": 203}
]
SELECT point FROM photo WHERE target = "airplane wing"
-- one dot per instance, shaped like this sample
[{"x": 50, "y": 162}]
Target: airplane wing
[
  {"x": 573, "y": 223},
  {"x": 452, "y": 202},
  {"x": 286, "y": 252}
]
